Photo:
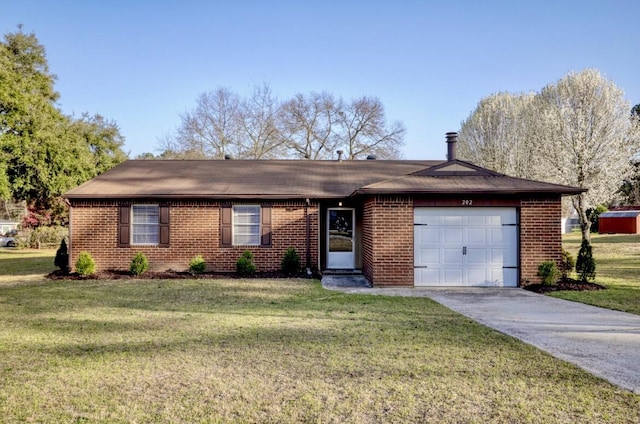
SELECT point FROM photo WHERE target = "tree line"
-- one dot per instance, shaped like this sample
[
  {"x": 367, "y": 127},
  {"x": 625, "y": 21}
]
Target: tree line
[
  {"x": 578, "y": 131},
  {"x": 43, "y": 152},
  {"x": 259, "y": 126}
]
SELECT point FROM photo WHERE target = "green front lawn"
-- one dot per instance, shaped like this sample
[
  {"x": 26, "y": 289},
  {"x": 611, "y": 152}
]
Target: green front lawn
[
  {"x": 19, "y": 266},
  {"x": 272, "y": 351},
  {"x": 617, "y": 267}
]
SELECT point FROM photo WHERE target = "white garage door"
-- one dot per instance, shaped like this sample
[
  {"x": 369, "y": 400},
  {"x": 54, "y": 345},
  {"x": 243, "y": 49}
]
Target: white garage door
[{"x": 465, "y": 247}]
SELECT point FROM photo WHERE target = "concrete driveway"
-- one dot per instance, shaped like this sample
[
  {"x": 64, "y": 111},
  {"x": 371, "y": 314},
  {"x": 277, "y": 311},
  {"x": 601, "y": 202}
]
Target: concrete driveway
[{"x": 603, "y": 342}]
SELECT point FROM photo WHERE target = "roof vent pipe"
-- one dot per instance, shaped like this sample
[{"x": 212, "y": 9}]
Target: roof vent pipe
[
  {"x": 340, "y": 152},
  {"x": 452, "y": 139},
  {"x": 227, "y": 157}
]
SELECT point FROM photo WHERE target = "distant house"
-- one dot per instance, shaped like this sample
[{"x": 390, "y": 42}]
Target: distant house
[
  {"x": 6, "y": 226},
  {"x": 399, "y": 222},
  {"x": 619, "y": 222}
]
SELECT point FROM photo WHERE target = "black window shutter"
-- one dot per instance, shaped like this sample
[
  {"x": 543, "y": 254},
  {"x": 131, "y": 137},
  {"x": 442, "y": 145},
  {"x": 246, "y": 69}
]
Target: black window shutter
[
  {"x": 164, "y": 225},
  {"x": 225, "y": 225},
  {"x": 124, "y": 226},
  {"x": 265, "y": 228}
]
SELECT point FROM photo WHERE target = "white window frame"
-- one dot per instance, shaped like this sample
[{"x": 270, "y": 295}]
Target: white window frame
[
  {"x": 253, "y": 230},
  {"x": 146, "y": 225}
]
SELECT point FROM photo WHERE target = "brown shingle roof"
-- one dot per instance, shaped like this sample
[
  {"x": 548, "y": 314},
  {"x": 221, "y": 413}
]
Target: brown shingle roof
[{"x": 281, "y": 179}]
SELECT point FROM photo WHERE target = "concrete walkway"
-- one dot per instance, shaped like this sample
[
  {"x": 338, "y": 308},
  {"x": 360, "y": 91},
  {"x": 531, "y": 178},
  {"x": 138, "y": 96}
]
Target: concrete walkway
[{"x": 603, "y": 342}]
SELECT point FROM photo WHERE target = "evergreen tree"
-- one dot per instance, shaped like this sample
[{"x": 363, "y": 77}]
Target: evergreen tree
[
  {"x": 586, "y": 264},
  {"x": 44, "y": 153}
]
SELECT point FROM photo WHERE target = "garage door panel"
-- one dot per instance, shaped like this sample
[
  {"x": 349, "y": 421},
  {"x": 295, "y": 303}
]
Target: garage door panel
[
  {"x": 452, "y": 256},
  {"x": 452, "y": 276},
  {"x": 452, "y": 220},
  {"x": 452, "y": 235},
  {"x": 466, "y": 247},
  {"x": 426, "y": 235},
  {"x": 427, "y": 256},
  {"x": 477, "y": 235},
  {"x": 504, "y": 257},
  {"x": 503, "y": 234},
  {"x": 479, "y": 276},
  {"x": 427, "y": 277},
  {"x": 476, "y": 220},
  {"x": 510, "y": 277},
  {"x": 477, "y": 256},
  {"x": 424, "y": 217}
]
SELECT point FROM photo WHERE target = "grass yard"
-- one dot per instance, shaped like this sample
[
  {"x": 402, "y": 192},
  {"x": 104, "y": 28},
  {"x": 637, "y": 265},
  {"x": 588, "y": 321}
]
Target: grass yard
[
  {"x": 19, "y": 266},
  {"x": 270, "y": 351},
  {"x": 617, "y": 267}
]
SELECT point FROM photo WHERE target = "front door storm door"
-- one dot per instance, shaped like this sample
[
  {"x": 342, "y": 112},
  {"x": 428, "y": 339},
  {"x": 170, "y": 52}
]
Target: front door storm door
[{"x": 340, "y": 238}]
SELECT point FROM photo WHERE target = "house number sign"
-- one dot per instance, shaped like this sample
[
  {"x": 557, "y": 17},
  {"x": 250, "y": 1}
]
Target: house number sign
[{"x": 467, "y": 202}]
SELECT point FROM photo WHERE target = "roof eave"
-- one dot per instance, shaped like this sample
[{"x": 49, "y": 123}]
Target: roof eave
[
  {"x": 568, "y": 192},
  {"x": 196, "y": 196}
]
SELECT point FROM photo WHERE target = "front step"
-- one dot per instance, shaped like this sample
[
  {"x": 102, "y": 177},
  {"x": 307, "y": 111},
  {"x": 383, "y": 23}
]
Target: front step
[{"x": 342, "y": 272}]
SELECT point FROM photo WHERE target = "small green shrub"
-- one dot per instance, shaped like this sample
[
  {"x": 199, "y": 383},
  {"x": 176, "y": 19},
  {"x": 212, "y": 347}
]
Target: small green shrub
[
  {"x": 586, "y": 264},
  {"x": 548, "y": 270},
  {"x": 62, "y": 257},
  {"x": 85, "y": 265},
  {"x": 139, "y": 264},
  {"x": 197, "y": 265},
  {"x": 593, "y": 215},
  {"x": 566, "y": 264},
  {"x": 244, "y": 265},
  {"x": 290, "y": 263}
]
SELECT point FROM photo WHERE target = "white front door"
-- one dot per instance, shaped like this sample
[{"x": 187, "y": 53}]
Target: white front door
[
  {"x": 465, "y": 247},
  {"x": 340, "y": 238}
]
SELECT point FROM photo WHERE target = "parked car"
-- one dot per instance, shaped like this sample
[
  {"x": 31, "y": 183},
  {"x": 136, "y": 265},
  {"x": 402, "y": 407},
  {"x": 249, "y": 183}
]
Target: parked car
[{"x": 8, "y": 240}]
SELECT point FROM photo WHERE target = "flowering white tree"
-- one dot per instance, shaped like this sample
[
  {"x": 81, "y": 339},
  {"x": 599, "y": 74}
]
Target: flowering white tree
[
  {"x": 495, "y": 134},
  {"x": 576, "y": 131},
  {"x": 584, "y": 137}
]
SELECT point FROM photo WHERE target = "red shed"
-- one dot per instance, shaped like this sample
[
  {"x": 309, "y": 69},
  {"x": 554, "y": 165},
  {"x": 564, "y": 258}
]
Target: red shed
[{"x": 619, "y": 222}]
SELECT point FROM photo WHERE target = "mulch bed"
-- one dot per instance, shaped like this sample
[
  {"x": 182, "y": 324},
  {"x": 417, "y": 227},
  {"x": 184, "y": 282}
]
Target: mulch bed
[
  {"x": 564, "y": 284},
  {"x": 169, "y": 274}
]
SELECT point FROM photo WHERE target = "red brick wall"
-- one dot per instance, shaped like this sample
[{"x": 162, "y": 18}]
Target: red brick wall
[
  {"x": 387, "y": 241},
  {"x": 387, "y": 238},
  {"x": 194, "y": 230},
  {"x": 540, "y": 236}
]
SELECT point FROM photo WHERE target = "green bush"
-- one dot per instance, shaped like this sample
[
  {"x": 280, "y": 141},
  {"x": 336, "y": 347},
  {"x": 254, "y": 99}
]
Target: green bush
[
  {"x": 197, "y": 265},
  {"x": 290, "y": 263},
  {"x": 593, "y": 215},
  {"x": 566, "y": 264},
  {"x": 46, "y": 236},
  {"x": 244, "y": 265},
  {"x": 548, "y": 270},
  {"x": 586, "y": 264},
  {"x": 85, "y": 265},
  {"x": 139, "y": 264},
  {"x": 62, "y": 257}
]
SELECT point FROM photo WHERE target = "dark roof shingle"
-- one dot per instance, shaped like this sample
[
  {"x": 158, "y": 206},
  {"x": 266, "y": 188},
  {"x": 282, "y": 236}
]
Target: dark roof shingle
[{"x": 281, "y": 179}]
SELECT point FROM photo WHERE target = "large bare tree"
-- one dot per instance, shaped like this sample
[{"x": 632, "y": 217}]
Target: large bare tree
[
  {"x": 364, "y": 130},
  {"x": 261, "y": 127},
  {"x": 309, "y": 125},
  {"x": 259, "y": 136},
  {"x": 210, "y": 130}
]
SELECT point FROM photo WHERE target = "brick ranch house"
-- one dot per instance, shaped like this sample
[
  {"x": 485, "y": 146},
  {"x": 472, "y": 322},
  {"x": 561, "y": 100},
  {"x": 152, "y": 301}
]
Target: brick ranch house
[{"x": 401, "y": 222}]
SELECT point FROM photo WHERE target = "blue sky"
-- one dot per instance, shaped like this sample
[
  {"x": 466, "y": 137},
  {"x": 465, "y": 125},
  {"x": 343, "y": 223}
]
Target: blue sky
[{"x": 143, "y": 63}]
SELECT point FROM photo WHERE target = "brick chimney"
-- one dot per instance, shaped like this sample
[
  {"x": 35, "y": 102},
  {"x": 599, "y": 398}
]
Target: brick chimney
[{"x": 452, "y": 139}]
